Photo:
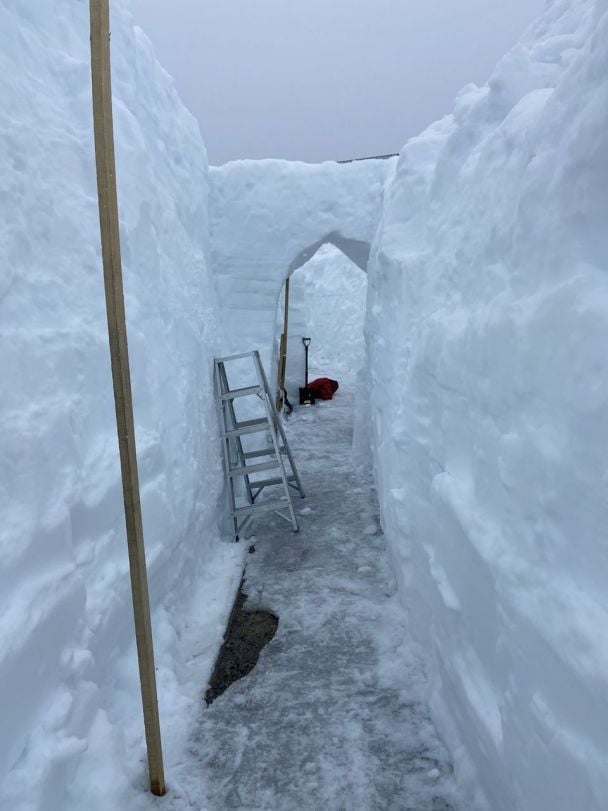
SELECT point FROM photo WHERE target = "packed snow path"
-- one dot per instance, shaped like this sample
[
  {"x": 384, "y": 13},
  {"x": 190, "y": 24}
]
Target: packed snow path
[{"x": 331, "y": 717}]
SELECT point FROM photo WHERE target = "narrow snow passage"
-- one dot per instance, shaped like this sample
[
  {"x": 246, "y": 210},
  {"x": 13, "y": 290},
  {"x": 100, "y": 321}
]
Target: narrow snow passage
[{"x": 332, "y": 716}]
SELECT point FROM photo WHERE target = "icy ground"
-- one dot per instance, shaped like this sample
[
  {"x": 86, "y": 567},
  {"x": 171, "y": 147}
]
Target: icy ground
[{"x": 333, "y": 715}]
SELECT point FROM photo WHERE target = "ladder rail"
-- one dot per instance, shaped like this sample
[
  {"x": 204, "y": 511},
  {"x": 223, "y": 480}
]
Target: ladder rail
[
  {"x": 272, "y": 416},
  {"x": 279, "y": 425},
  {"x": 229, "y": 404},
  {"x": 226, "y": 456}
]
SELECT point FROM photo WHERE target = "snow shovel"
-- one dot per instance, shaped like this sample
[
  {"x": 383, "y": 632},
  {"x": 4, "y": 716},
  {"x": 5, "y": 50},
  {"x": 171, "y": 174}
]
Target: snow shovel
[{"x": 307, "y": 398}]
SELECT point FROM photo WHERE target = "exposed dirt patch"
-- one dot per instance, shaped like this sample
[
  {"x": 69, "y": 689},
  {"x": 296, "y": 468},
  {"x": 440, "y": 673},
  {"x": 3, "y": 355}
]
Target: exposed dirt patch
[{"x": 247, "y": 633}]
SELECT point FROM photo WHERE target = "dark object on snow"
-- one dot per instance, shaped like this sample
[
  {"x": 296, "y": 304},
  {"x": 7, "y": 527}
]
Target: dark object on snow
[
  {"x": 307, "y": 398},
  {"x": 324, "y": 388},
  {"x": 286, "y": 403},
  {"x": 247, "y": 633}
]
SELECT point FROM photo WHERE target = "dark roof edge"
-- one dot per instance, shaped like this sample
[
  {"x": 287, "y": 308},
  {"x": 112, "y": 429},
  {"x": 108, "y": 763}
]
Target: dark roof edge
[{"x": 371, "y": 158}]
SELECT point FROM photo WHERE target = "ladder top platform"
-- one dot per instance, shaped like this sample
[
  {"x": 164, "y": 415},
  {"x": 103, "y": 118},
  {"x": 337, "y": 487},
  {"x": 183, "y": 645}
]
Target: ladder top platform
[{"x": 237, "y": 357}]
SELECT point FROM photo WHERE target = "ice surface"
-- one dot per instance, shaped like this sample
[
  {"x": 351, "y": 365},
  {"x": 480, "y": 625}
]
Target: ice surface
[{"x": 333, "y": 716}]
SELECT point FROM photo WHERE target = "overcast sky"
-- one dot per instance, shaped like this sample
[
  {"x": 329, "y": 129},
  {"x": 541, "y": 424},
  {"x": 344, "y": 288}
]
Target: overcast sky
[{"x": 325, "y": 79}]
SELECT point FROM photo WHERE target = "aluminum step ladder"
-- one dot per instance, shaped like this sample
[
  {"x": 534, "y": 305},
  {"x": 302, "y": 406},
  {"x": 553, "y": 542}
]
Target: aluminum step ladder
[{"x": 252, "y": 498}]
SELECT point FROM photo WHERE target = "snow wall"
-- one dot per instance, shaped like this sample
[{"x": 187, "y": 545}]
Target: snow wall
[
  {"x": 487, "y": 331},
  {"x": 487, "y": 321},
  {"x": 268, "y": 218},
  {"x": 71, "y": 709}
]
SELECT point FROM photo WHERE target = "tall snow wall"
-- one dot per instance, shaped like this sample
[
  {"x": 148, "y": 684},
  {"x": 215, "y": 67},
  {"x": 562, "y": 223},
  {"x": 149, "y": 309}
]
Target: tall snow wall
[
  {"x": 70, "y": 706},
  {"x": 487, "y": 332}
]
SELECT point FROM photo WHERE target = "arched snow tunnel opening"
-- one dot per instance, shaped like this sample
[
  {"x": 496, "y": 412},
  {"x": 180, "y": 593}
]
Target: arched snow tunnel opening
[
  {"x": 356, "y": 250},
  {"x": 268, "y": 218},
  {"x": 327, "y": 301}
]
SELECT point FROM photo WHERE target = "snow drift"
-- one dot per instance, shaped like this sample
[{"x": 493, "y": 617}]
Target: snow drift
[
  {"x": 487, "y": 332},
  {"x": 71, "y": 703}
]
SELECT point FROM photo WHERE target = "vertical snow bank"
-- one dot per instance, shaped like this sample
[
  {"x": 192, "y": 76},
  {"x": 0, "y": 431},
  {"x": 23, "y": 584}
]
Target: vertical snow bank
[
  {"x": 487, "y": 333},
  {"x": 65, "y": 613}
]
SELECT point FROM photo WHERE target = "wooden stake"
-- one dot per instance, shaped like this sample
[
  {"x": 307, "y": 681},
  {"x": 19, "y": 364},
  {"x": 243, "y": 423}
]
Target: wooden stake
[
  {"x": 117, "y": 331},
  {"x": 283, "y": 351}
]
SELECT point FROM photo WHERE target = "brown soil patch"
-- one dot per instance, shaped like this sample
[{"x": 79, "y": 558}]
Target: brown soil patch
[{"x": 247, "y": 633}]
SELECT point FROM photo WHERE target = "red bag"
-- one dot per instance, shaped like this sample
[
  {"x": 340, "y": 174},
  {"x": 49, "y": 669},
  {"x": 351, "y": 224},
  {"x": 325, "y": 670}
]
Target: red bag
[{"x": 324, "y": 388}]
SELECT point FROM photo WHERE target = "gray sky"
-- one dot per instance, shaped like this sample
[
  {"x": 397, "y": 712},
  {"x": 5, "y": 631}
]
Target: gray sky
[{"x": 325, "y": 79}]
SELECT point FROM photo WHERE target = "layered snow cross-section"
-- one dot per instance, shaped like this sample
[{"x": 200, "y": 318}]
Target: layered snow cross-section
[
  {"x": 487, "y": 328},
  {"x": 70, "y": 703}
]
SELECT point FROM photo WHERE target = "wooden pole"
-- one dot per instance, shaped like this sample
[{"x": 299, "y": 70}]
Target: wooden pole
[
  {"x": 286, "y": 318},
  {"x": 283, "y": 350},
  {"x": 117, "y": 331}
]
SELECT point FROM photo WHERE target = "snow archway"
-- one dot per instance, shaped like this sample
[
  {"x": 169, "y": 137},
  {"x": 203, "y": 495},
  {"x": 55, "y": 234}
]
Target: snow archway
[
  {"x": 327, "y": 303},
  {"x": 354, "y": 249},
  {"x": 268, "y": 218}
]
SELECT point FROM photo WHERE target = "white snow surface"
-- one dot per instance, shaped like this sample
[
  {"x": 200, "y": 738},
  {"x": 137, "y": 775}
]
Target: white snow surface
[
  {"x": 487, "y": 331},
  {"x": 71, "y": 709},
  {"x": 486, "y": 327},
  {"x": 333, "y": 716},
  {"x": 327, "y": 301}
]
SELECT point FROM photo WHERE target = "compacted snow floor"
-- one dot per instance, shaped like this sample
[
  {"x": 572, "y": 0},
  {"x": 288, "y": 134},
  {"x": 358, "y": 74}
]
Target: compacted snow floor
[{"x": 332, "y": 716}]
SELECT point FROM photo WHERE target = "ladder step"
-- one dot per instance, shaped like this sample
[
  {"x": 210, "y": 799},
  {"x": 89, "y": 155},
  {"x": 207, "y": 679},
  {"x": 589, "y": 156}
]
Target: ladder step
[
  {"x": 234, "y": 393},
  {"x": 263, "y": 505},
  {"x": 248, "y": 469},
  {"x": 269, "y": 482},
  {"x": 247, "y": 427},
  {"x": 262, "y": 452}
]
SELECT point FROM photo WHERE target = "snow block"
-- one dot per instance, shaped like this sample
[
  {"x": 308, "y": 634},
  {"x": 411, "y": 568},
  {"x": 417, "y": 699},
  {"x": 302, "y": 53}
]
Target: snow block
[{"x": 269, "y": 217}]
